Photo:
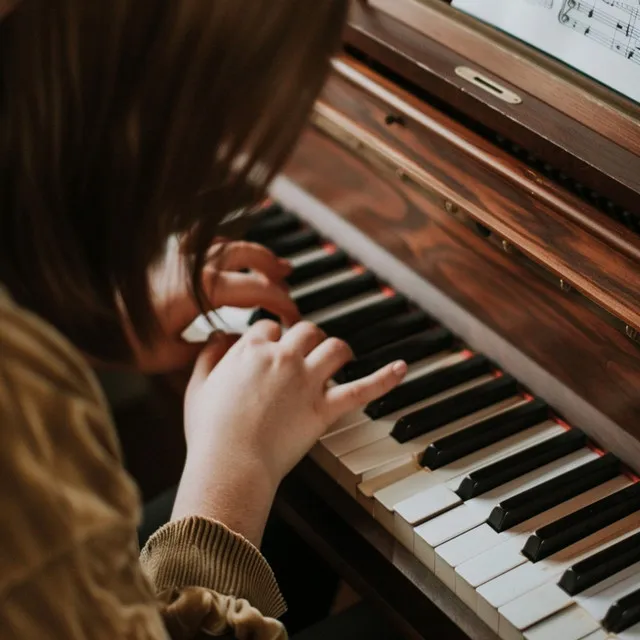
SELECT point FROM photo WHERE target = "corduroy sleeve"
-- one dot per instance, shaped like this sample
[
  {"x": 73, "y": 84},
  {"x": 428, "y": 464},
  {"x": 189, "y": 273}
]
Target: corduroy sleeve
[
  {"x": 205, "y": 573},
  {"x": 70, "y": 566}
]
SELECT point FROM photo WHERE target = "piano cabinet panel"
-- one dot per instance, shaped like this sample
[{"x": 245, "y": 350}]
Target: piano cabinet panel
[
  {"x": 576, "y": 346},
  {"x": 587, "y": 152},
  {"x": 602, "y": 260}
]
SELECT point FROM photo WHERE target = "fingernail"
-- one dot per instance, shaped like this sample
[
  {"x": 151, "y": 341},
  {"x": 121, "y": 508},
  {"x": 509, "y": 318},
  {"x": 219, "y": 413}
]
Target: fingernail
[{"x": 399, "y": 369}]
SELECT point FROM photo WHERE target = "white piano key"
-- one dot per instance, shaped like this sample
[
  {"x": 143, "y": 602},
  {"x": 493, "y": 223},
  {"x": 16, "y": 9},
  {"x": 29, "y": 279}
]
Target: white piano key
[
  {"x": 475, "y": 571},
  {"x": 536, "y": 605},
  {"x": 228, "y": 319},
  {"x": 570, "y": 624},
  {"x": 474, "y": 512},
  {"x": 632, "y": 633},
  {"x": 357, "y": 464},
  {"x": 598, "y": 599},
  {"x": 509, "y": 586},
  {"x": 307, "y": 256},
  {"x": 441, "y": 496},
  {"x": 344, "y": 438},
  {"x": 343, "y": 308},
  {"x": 323, "y": 282},
  {"x": 394, "y": 495},
  {"x": 383, "y": 478},
  {"x": 600, "y": 634}
]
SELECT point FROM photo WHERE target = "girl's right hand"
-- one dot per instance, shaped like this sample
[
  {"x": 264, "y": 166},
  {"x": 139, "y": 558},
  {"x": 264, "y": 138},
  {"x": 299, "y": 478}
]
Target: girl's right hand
[{"x": 255, "y": 409}]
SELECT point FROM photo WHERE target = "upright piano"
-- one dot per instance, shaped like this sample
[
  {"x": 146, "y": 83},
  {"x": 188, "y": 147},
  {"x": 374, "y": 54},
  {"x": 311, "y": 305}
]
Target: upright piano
[{"x": 467, "y": 197}]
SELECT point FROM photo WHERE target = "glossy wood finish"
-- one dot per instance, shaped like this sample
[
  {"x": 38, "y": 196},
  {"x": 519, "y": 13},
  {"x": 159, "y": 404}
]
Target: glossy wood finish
[
  {"x": 403, "y": 104},
  {"x": 553, "y": 82},
  {"x": 563, "y": 141},
  {"x": 578, "y": 349},
  {"x": 451, "y": 163}
]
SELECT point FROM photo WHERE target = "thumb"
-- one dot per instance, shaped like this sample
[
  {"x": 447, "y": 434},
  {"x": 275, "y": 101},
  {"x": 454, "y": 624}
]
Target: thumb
[{"x": 217, "y": 347}]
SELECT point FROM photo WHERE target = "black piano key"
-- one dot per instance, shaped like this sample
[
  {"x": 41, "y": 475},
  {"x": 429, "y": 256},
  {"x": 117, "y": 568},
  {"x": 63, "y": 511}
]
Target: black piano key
[
  {"x": 272, "y": 226},
  {"x": 462, "y": 404},
  {"x": 321, "y": 267},
  {"x": 388, "y": 331},
  {"x": 580, "y": 524},
  {"x": 262, "y": 314},
  {"x": 318, "y": 300},
  {"x": 601, "y": 565},
  {"x": 428, "y": 385},
  {"x": 516, "y": 465},
  {"x": 410, "y": 350},
  {"x": 530, "y": 503},
  {"x": 623, "y": 614},
  {"x": 293, "y": 242},
  {"x": 349, "y": 323},
  {"x": 485, "y": 433},
  {"x": 270, "y": 211}
]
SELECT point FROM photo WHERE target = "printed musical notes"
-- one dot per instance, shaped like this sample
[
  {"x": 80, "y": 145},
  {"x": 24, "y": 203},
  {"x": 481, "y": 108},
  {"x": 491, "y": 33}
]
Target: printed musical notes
[
  {"x": 611, "y": 23},
  {"x": 600, "y": 38}
]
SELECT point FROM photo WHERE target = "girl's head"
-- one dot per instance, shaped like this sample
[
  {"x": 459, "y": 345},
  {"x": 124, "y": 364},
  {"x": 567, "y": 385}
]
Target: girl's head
[{"x": 123, "y": 122}]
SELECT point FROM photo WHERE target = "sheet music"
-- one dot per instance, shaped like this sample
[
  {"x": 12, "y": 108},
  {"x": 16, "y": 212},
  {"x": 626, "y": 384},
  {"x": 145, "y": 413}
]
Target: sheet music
[
  {"x": 610, "y": 23},
  {"x": 600, "y": 38}
]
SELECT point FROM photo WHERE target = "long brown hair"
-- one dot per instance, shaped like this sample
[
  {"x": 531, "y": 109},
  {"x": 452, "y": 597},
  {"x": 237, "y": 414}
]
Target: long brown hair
[{"x": 123, "y": 122}]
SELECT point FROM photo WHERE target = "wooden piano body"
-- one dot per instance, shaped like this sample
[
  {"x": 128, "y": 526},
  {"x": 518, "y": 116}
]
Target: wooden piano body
[{"x": 515, "y": 222}]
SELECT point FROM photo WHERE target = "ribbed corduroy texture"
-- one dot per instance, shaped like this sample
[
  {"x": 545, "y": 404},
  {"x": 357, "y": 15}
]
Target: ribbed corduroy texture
[
  {"x": 69, "y": 563},
  {"x": 200, "y": 552}
]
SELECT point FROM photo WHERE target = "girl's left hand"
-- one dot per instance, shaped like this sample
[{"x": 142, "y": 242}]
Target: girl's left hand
[{"x": 224, "y": 284}]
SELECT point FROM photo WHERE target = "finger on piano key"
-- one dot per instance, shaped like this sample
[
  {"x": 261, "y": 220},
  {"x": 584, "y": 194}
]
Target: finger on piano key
[
  {"x": 363, "y": 463},
  {"x": 474, "y": 512},
  {"x": 358, "y": 430},
  {"x": 475, "y": 569},
  {"x": 359, "y": 304},
  {"x": 410, "y": 350},
  {"x": 469, "y": 368},
  {"x": 513, "y": 585}
]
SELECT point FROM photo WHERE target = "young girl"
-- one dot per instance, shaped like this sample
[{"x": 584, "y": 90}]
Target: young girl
[{"x": 124, "y": 123}]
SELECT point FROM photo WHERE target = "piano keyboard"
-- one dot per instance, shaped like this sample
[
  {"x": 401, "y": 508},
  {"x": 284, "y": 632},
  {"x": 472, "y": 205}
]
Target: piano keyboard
[{"x": 530, "y": 524}]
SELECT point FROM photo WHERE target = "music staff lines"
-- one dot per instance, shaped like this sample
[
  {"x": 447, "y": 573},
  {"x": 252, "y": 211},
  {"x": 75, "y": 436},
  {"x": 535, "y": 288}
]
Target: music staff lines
[{"x": 610, "y": 23}]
